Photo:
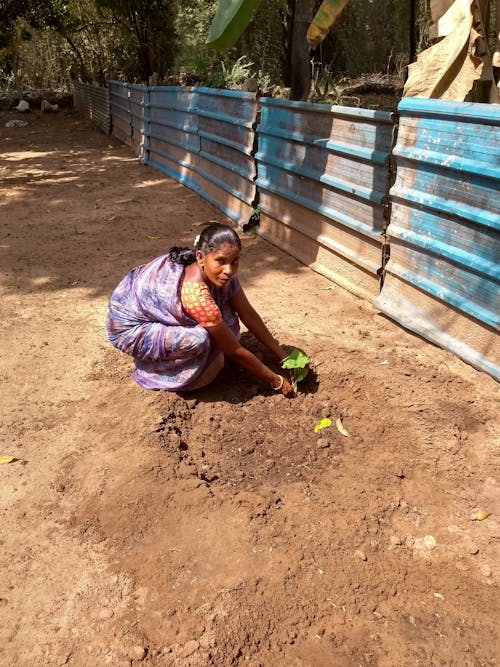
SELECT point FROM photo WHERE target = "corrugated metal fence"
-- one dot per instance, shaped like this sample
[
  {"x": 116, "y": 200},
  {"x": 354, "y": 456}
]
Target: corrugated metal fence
[
  {"x": 224, "y": 163},
  {"x": 323, "y": 181},
  {"x": 121, "y": 120},
  {"x": 320, "y": 178},
  {"x": 93, "y": 102},
  {"x": 173, "y": 133},
  {"x": 201, "y": 137},
  {"x": 138, "y": 105},
  {"x": 443, "y": 279}
]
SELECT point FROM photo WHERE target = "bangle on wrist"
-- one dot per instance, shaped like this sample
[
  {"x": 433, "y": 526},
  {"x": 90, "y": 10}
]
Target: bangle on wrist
[{"x": 282, "y": 380}]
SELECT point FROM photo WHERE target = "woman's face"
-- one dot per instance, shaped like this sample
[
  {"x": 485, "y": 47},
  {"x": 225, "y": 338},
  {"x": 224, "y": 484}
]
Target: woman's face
[{"x": 220, "y": 265}]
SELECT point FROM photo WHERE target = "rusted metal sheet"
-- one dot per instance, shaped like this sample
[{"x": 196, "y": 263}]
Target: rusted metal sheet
[
  {"x": 224, "y": 165},
  {"x": 121, "y": 126},
  {"x": 93, "y": 102},
  {"x": 443, "y": 277},
  {"x": 323, "y": 181},
  {"x": 138, "y": 102}
]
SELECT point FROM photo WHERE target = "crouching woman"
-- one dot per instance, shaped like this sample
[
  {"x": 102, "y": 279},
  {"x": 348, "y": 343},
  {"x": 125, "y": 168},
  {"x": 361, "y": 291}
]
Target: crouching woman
[{"x": 178, "y": 316}]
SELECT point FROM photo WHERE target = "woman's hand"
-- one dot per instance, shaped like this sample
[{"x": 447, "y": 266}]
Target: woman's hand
[
  {"x": 227, "y": 342},
  {"x": 287, "y": 389},
  {"x": 283, "y": 386}
]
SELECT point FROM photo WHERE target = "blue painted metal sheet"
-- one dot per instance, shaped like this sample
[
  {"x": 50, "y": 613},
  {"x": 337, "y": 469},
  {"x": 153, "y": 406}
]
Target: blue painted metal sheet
[
  {"x": 445, "y": 226},
  {"x": 201, "y": 137},
  {"x": 173, "y": 133},
  {"x": 224, "y": 165},
  {"x": 323, "y": 180}
]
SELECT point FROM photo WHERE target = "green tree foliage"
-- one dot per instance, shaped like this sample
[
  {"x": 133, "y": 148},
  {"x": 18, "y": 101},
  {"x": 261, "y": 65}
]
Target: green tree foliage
[
  {"x": 17, "y": 17},
  {"x": 147, "y": 27},
  {"x": 131, "y": 39},
  {"x": 99, "y": 38},
  {"x": 264, "y": 42},
  {"x": 194, "y": 58},
  {"x": 372, "y": 36},
  {"x": 262, "y": 45}
]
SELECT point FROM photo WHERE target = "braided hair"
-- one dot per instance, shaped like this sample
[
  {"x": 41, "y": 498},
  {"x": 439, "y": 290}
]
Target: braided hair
[{"x": 210, "y": 239}]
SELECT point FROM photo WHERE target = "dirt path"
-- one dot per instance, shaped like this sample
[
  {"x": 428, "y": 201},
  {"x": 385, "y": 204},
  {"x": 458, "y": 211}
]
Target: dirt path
[{"x": 217, "y": 528}]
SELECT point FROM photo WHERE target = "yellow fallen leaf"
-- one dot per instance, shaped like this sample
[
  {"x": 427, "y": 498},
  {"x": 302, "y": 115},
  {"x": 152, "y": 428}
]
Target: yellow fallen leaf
[
  {"x": 113, "y": 254},
  {"x": 323, "y": 423},
  {"x": 482, "y": 514},
  {"x": 6, "y": 459},
  {"x": 341, "y": 429},
  {"x": 153, "y": 238}
]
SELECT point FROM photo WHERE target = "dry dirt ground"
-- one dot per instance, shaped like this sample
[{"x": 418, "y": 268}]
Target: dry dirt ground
[{"x": 217, "y": 528}]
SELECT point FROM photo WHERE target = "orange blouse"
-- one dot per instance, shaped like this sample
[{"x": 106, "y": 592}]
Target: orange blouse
[{"x": 197, "y": 301}]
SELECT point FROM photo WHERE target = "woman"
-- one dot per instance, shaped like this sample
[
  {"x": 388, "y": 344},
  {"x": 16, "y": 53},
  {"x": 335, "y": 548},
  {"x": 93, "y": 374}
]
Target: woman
[{"x": 177, "y": 316}]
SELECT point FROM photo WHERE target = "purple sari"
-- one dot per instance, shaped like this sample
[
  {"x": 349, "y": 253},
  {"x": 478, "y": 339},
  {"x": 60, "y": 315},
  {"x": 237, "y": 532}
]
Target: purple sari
[{"x": 146, "y": 321}]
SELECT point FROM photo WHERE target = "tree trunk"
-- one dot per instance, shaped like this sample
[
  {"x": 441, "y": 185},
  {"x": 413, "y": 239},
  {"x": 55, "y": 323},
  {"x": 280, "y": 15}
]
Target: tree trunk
[
  {"x": 17, "y": 78},
  {"x": 413, "y": 31},
  {"x": 287, "y": 41},
  {"x": 84, "y": 73},
  {"x": 300, "y": 65}
]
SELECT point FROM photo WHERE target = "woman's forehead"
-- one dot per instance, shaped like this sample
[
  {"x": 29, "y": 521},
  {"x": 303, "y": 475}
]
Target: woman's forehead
[{"x": 226, "y": 250}]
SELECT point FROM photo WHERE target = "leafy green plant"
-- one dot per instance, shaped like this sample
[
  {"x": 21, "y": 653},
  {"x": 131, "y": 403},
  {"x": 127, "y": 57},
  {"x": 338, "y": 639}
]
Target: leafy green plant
[
  {"x": 297, "y": 363},
  {"x": 265, "y": 82},
  {"x": 203, "y": 66},
  {"x": 237, "y": 73},
  {"x": 214, "y": 79},
  {"x": 212, "y": 73}
]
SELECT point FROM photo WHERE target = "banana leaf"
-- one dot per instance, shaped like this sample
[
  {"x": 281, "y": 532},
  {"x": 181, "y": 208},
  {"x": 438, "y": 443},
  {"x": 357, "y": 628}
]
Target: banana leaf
[
  {"x": 323, "y": 20},
  {"x": 230, "y": 20}
]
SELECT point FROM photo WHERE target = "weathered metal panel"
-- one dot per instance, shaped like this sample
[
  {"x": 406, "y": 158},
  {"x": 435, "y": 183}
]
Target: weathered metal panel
[
  {"x": 201, "y": 137},
  {"x": 323, "y": 181},
  {"x": 93, "y": 102},
  {"x": 225, "y": 168},
  {"x": 138, "y": 102},
  {"x": 173, "y": 133},
  {"x": 443, "y": 278},
  {"x": 121, "y": 127}
]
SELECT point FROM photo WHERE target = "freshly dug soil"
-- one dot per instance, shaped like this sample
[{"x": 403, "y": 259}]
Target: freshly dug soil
[{"x": 216, "y": 528}]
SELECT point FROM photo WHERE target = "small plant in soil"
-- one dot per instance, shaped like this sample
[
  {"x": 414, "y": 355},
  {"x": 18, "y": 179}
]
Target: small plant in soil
[{"x": 297, "y": 363}]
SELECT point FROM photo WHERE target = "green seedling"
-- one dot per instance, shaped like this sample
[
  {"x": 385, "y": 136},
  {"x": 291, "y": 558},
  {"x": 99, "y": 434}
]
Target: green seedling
[{"x": 298, "y": 364}]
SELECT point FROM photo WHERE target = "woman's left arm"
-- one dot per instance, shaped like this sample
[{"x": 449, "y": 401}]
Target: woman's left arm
[{"x": 253, "y": 322}]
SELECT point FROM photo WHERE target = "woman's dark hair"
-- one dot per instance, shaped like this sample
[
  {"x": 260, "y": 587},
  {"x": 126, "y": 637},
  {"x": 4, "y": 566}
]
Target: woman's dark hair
[{"x": 210, "y": 239}]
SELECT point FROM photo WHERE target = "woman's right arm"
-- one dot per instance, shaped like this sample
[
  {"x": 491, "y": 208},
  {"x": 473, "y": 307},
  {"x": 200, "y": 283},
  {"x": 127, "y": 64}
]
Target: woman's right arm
[{"x": 227, "y": 342}]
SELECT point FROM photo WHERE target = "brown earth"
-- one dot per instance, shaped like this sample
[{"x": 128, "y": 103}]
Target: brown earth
[{"x": 217, "y": 528}]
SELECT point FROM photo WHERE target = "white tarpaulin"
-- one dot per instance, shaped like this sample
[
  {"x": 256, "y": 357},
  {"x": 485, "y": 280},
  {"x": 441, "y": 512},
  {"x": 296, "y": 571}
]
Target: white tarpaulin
[{"x": 448, "y": 69}]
